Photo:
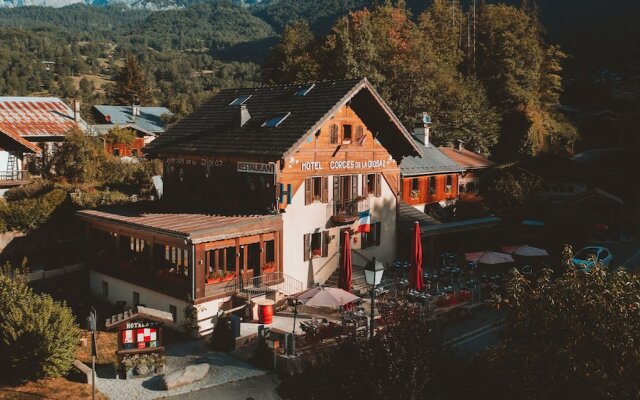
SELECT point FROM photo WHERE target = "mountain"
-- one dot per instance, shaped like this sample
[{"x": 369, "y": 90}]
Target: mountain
[{"x": 152, "y": 5}]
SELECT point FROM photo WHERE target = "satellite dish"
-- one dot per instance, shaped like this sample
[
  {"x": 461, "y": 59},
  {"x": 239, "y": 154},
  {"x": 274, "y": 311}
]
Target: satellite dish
[{"x": 426, "y": 119}]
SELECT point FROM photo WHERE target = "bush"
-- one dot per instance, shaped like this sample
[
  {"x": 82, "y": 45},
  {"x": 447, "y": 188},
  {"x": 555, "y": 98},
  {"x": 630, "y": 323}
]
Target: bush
[
  {"x": 38, "y": 336},
  {"x": 29, "y": 213},
  {"x": 31, "y": 189},
  {"x": 130, "y": 177},
  {"x": 79, "y": 158}
]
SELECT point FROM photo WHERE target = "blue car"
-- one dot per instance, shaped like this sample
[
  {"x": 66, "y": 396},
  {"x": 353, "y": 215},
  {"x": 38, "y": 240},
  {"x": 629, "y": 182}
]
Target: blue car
[{"x": 586, "y": 258}]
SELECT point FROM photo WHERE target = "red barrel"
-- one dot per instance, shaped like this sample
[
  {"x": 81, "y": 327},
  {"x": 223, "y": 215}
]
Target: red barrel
[{"x": 265, "y": 313}]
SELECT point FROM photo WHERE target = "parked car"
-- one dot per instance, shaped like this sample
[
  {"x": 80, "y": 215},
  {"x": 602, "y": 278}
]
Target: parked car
[{"x": 586, "y": 258}]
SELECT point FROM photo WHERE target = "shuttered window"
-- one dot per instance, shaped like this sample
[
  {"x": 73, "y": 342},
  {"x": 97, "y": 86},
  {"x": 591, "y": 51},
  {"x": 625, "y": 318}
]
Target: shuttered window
[
  {"x": 372, "y": 185},
  {"x": 316, "y": 189},
  {"x": 316, "y": 245},
  {"x": 333, "y": 132}
]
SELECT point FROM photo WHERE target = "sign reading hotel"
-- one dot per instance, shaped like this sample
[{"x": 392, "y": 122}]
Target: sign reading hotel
[
  {"x": 256, "y": 168},
  {"x": 343, "y": 165}
]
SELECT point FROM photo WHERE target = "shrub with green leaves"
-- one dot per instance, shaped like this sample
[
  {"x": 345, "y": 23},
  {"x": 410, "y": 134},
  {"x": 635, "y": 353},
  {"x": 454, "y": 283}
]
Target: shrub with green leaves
[
  {"x": 38, "y": 336},
  {"x": 29, "y": 213}
]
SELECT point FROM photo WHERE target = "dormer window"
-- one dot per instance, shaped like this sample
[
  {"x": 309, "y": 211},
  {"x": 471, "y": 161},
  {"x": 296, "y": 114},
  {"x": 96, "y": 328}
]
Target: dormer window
[
  {"x": 238, "y": 101},
  {"x": 303, "y": 90},
  {"x": 275, "y": 120}
]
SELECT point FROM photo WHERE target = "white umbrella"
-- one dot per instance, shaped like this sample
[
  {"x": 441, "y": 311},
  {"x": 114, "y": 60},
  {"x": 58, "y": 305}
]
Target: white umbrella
[
  {"x": 525, "y": 251},
  {"x": 489, "y": 257},
  {"x": 322, "y": 296}
]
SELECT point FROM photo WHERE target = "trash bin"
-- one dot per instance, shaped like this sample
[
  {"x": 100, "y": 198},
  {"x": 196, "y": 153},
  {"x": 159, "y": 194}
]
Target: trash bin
[{"x": 235, "y": 326}]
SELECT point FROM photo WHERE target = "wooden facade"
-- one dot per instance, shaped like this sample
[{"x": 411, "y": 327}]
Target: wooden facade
[
  {"x": 125, "y": 150},
  {"x": 429, "y": 189}
]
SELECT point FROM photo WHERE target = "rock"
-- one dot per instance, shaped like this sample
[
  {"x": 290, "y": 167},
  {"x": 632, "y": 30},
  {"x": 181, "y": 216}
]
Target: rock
[{"x": 190, "y": 374}]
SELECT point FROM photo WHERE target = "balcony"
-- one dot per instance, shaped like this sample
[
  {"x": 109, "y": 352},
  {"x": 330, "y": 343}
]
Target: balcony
[
  {"x": 346, "y": 211},
  {"x": 13, "y": 177}
]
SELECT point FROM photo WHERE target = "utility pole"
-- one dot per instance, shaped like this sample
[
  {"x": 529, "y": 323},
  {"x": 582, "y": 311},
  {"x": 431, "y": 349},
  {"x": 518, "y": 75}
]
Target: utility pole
[{"x": 92, "y": 326}]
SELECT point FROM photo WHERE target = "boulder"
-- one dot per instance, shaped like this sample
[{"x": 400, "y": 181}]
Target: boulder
[{"x": 190, "y": 374}]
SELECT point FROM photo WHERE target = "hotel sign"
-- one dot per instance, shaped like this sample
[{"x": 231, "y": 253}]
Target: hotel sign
[
  {"x": 256, "y": 168},
  {"x": 342, "y": 165}
]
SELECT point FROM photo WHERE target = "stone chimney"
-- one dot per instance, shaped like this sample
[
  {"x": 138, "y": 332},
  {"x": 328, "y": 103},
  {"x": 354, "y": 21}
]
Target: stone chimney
[
  {"x": 244, "y": 114},
  {"x": 76, "y": 110},
  {"x": 459, "y": 145},
  {"x": 135, "y": 110},
  {"x": 421, "y": 129}
]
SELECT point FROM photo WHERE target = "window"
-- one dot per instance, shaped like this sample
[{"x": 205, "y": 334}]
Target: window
[
  {"x": 303, "y": 90},
  {"x": 603, "y": 254},
  {"x": 105, "y": 289},
  {"x": 415, "y": 188},
  {"x": 116, "y": 152},
  {"x": 134, "y": 152},
  {"x": 316, "y": 245},
  {"x": 372, "y": 238},
  {"x": 275, "y": 120},
  {"x": 346, "y": 133},
  {"x": 316, "y": 189},
  {"x": 471, "y": 187},
  {"x": 371, "y": 185},
  {"x": 333, "y": 131},
  {"x": 359, "y": 135},
  {"x": 174, "y": 312},
  {"x": 136, "y": 298},
  {"x": 449, "y": 187},
  {"x": 238, "y": 101},
  {"x": 432, "y": 185}
]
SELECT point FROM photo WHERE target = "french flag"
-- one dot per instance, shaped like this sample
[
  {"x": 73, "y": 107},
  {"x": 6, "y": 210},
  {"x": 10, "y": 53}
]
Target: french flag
[{"x": 364, "y": 221}]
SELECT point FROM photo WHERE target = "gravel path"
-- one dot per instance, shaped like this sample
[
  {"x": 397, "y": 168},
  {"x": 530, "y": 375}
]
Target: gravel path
[{"x": 223, "y": 369}]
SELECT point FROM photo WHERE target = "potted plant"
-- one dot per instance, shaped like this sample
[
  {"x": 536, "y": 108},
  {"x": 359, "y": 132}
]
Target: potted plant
[
  {"x": 229, "y": 276},
  {"x": 216, "y": 277},
  {"x": 269, "y": 267},
  {"x": 316, "y": 253}
]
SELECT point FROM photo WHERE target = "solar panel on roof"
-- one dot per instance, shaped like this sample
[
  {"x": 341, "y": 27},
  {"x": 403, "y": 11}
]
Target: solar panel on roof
[
  {"x": 275, "y": 120},
  {"x": 238, "y": 101},
  {"x": 303, "y": 90}
]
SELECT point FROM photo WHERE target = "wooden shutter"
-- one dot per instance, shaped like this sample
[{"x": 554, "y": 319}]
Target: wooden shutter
[
  {"x": 354, "y": 187},
  {"x": 336, "y": 188},
  {"x": 325, "y": 244},
  {"x": 364, "y": 185},
  {"x": 377, "y": 228},
  {"x": 308, "y": 185},
  {"x": 378, "y": 185},
  {"x": 280, "y": 193},
  {"x": 307, "y": 247},
  {"x": 333, "y": 132},
  {"x": 325, "y": 189}
]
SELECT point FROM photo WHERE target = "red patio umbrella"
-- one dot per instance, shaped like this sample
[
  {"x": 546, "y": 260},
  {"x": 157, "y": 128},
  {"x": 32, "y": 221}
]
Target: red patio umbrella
[
  {"x": 346, "y": 268},
  {"x": 415, "y": 274}
]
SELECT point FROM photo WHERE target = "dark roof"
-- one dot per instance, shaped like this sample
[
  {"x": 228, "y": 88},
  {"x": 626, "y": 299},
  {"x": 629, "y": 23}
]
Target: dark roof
[
  {"x": 408, "y": 215},
  {"x": 555, "y": 168},
  {"x": 214, "y": 128},
  {"x": 432, "y": 161},
  {"x": 467, "y": 159},
  {"x": 149, "y": 119},
  {"x": 193, "y": 227}
]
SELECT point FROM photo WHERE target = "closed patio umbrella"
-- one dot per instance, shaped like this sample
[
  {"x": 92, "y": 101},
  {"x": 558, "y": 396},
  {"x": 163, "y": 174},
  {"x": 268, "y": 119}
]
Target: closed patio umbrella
[
  {"x": 346, "y": 268},
  {"x": 415, "y": 274},
  {"x": 525, "y": 251},
  {"x": 489, "y": 257}
]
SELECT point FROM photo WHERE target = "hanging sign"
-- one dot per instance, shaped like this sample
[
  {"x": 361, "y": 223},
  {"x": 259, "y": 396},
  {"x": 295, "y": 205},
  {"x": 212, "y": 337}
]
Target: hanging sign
[{"x": 256, "y": 168}]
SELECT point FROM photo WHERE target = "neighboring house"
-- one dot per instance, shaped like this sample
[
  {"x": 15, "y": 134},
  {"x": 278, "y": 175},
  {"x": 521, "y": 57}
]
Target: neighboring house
[
  {"x": 431, "y": 177},
  {"x": 145, "y": 121},
  {"x": 473, "y": 164},
  {"x": 29, "y": 128},
  {"x": 260, "y": 185}
]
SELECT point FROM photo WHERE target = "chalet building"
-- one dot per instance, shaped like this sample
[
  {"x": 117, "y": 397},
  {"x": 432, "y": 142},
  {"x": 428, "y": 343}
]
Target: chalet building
[
  {"x": 146, "y": 122},
  {"x": 30, "y": 127},
  {"x": 474, "y": 166},
  {"x": 259, "y": 186},
  {"x": 430, "y": 178}
]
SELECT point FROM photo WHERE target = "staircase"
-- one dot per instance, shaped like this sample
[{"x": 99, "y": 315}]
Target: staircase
[{"x": 358, "y": 281}]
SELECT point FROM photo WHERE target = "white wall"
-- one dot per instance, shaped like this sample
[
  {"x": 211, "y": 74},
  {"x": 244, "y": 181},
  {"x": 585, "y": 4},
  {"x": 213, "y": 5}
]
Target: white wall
[
  {"x": 4, "y": 159},
  {"x": 300, "y": 219}
]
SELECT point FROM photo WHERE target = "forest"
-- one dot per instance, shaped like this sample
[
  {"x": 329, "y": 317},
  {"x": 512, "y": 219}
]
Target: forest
[{"x": 491, "y": 75}]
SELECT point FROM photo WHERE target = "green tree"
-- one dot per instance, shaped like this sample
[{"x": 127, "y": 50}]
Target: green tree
[
  {"x": 38, "y": 336},
  {"x": 514, "y": 195},
  {"x": 79, "y": 157},
  {"x": 573, "y": 337},
  {"x": 131, "y": 83},
  {"x": 292, "y": 60},
  {"x": 118, "y": 135}
]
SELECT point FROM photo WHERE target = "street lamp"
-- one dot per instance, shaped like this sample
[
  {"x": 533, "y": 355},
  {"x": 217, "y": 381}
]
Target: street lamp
[{"x": 373, "y": 274}]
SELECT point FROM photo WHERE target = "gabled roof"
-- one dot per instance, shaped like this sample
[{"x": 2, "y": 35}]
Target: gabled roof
[
  {"x": 22, "y": 118},
  {"x": 103, "y": 129},
  {"x": 556, "y": 168},
  {"x": 215, "y": 128},
  {"x": 467, "y": 159},
  {"x": 596, "y": 193},
  {"x": 149, "y": 119},
  {"x": 432, "y": 161}
]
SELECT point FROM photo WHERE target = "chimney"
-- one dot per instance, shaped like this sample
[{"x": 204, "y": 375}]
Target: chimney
[
  {"x": 421, "y": 129},
  {"x": 459, "y": 145},
  {"x": 244, "y": 114},
  {"x": 135, "y": 110},
  {"x": 76, "y": 110}
]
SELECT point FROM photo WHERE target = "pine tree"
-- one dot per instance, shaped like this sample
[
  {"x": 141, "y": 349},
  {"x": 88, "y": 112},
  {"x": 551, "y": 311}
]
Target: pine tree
[{"x": 131, "y": 84}]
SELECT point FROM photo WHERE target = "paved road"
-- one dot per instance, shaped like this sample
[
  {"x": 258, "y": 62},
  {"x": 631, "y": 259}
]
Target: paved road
[{"x": 259, "y": 388}]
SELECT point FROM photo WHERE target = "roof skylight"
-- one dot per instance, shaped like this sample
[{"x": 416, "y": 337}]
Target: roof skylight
[
  {"x": 275, "y": 120},
  {"x": 240, "y": 100},
  {"x": 303, "y": 90}
]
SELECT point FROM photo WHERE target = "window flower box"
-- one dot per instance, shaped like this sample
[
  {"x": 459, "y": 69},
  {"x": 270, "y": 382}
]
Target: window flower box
[{"x": 268, "y": 267}]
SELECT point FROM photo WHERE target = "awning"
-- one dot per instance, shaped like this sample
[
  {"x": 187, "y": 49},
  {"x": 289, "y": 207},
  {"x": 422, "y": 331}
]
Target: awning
[{"x": 429, "y": 226}]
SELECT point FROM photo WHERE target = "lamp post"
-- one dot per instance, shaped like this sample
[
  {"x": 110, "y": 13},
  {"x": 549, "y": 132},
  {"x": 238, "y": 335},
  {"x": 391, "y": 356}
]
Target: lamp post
[{"x": 373, "y": 274}]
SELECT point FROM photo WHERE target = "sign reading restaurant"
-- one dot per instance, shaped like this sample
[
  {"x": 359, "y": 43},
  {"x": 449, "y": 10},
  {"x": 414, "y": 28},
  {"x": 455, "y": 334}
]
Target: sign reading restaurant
[
  {"x": 317, "y": 165},
  {"x": 256, "y": 168}
]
